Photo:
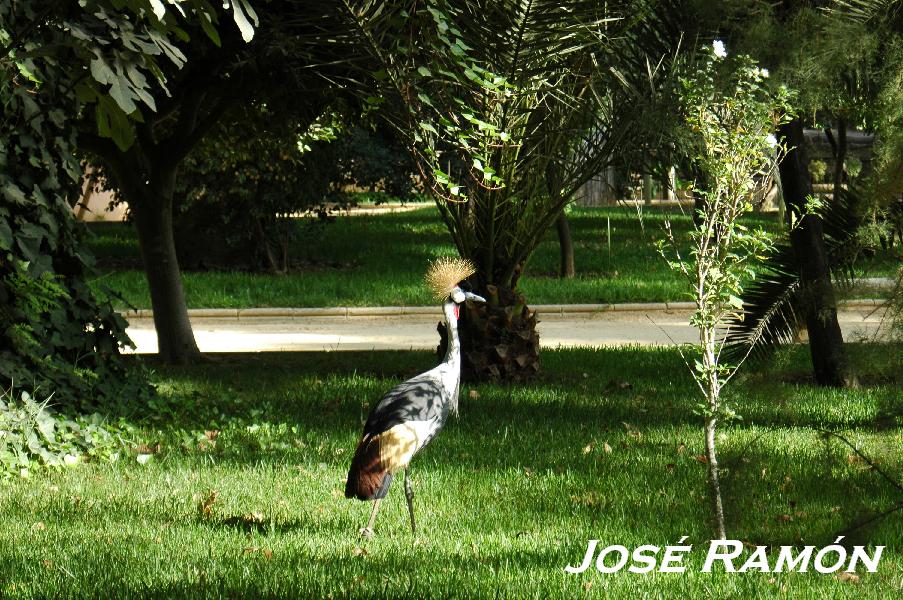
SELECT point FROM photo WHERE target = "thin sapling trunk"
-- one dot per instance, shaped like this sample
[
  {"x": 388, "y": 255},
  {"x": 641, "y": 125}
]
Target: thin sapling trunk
[{"x": 728, "y": 117}]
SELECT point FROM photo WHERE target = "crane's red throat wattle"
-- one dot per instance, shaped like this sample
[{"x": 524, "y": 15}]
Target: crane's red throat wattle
[{"x": 457, "y": 312}]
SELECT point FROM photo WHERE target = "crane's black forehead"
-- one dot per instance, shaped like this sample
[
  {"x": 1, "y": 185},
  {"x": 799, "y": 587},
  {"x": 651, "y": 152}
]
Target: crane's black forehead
[{"x": 465, "y": 287}]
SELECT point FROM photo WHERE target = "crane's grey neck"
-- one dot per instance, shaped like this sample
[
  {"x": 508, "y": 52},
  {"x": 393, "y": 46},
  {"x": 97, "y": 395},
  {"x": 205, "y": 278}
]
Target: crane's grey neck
[{"x": 453, "y": 352}]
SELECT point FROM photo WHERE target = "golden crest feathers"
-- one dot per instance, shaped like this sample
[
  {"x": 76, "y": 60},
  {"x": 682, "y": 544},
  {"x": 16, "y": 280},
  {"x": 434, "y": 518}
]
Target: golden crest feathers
[{"x": 445, "y": 273}]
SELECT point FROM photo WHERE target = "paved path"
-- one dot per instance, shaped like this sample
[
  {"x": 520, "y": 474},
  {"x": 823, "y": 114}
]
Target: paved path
[{"x": 267, "y": 332}]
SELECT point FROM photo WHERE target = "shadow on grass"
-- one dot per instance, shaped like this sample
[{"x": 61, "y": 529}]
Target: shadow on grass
[{"x": 638, "y": 402}]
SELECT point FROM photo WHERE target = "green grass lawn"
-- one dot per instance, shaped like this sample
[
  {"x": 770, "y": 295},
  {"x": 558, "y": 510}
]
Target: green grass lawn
[
  {"x": 601, "y": 446},
  {"x": 378, "y": 260}
]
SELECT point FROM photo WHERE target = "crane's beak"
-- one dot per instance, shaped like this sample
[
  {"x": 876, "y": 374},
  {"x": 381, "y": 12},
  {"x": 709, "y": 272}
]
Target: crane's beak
[{"x": 474, "y": 297}]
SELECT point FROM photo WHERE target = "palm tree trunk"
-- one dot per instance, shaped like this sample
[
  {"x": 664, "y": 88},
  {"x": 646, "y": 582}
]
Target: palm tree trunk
[
  {"x": 566, "y": 247},
  {"x": 826, "y": 347},
  {"x": 499, "y": 341}
]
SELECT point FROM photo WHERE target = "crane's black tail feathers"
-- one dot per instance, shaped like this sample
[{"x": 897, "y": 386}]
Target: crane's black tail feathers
[{"x": 367, "y": 478}]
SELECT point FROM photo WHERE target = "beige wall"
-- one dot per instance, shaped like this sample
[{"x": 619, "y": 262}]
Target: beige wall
[{"x": 93, "y": 206}]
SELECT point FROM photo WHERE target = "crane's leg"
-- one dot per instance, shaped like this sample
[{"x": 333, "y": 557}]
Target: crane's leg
[
  {"x": 409, "y": 494},
  {"x": 367, "y": 532}
]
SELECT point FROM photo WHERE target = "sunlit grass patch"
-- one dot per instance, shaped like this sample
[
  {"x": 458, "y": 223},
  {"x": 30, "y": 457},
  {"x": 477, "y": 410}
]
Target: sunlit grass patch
[
  {"x": 379, "y": 260},
  {"x": 244, "y": 496}
]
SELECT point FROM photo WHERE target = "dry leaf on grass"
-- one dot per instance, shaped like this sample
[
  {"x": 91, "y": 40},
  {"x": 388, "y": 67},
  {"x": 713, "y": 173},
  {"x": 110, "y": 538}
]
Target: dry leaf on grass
[
  {"x": 849, "y": 577},
  {"x": 266, "y": 552},
  {"x": 206, "y": 506}
]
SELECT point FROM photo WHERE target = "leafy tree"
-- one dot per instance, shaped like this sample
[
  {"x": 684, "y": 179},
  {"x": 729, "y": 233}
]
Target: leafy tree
[
  {"x": 281, "y": 159},
  {"x": 509, "y": 107},
  {"x": 883, "y": 187},
  {"x": 225, "y": 72},
  {"x": 240, "y": 188},
  {"x": 370, "y": 156},
  {"x": 60, "y": 60},
  {"x": 143, "y": 158}
]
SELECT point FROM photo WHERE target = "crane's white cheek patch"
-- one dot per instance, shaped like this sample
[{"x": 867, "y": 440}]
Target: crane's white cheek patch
[{"x": 398, "y": 444}]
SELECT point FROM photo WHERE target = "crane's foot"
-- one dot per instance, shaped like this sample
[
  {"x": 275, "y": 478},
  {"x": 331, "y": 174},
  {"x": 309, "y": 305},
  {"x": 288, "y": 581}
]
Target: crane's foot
[{"x": 367, "y": 532}]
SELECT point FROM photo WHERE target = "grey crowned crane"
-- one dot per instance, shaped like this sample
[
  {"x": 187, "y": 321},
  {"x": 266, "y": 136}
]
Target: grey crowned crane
[{"x": 412, "y": 413}]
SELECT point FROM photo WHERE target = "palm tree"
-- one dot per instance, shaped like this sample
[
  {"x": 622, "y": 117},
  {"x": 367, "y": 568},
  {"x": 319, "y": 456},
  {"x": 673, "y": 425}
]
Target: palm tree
[
  {"x": 781, "y": 300},
  {"x": 509, "y": 107}
]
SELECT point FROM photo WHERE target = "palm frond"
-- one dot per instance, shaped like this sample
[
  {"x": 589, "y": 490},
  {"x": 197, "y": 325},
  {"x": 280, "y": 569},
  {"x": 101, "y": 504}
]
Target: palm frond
[
  {"x": 887, "y": 12},
  {"x": 775, "y": 303}
]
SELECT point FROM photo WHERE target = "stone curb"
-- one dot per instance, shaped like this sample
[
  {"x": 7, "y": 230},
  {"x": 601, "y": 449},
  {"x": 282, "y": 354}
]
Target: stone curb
[{"x": 398, "y": 311}]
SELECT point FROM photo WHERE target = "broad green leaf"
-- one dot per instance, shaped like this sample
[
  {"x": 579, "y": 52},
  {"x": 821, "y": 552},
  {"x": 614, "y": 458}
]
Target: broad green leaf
[
  {"x": 13, "y": 193},
  {"x": 6, "y": 236},
  {"x": 241, "y": 12},
  {"x": 210, "y": 30},
  {"x": 158, "y": 9},
  {"x": 122, "y": 93},
  {"x": 101, "y": 71}
]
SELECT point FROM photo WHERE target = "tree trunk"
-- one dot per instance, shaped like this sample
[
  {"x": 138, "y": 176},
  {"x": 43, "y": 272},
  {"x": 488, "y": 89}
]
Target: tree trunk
[
  {"x": 566, "y": 246},
  {"x": 648, "y": 192},
  {"x": 826, "y": 347},
  {"x": 499, "y": 341},
  {"x": 840, "y": 157},
  {"x": 670, "y": 184},
  {"x": 152, "y": 214}
]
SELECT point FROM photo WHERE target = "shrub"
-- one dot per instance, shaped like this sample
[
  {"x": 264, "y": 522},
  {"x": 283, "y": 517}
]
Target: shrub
[
  {"x": 240, "y": 190},
  {"x": 49, "y": 334},
  {"x": 32, "y": 435}
]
